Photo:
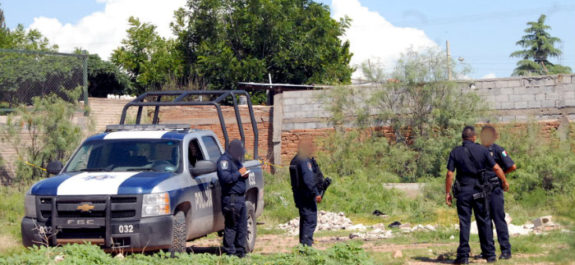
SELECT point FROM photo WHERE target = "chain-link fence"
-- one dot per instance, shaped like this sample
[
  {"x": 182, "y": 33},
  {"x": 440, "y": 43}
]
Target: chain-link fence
[{"x": 26, "y": 74}]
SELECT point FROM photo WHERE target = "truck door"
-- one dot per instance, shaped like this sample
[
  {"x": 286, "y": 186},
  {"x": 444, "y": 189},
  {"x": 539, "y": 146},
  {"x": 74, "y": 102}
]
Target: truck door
[
  {"x": 213, "y": 150},
  {"x": 202, "y": 194}
]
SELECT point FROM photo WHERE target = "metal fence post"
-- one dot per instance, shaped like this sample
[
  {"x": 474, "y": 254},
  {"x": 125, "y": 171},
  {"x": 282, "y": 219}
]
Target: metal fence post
[{"x": 85, "y": 82}]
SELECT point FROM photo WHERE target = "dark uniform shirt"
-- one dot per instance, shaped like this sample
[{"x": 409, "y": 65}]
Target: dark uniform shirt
[
  {"x": 501, "y": 156},
  {"x": 466, "y": 169},
  {"x": 230, "y": 177},
  {"x": 307, "y": 184}
]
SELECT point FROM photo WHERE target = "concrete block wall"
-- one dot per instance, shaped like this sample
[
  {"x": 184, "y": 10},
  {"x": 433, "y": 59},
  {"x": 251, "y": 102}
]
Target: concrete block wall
[{"x": 546, "y": 99}]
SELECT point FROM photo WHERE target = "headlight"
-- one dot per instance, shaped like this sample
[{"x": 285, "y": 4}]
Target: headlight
[
  {"x": 156, "y": 204},
  {"x": 30, "y": 205}
]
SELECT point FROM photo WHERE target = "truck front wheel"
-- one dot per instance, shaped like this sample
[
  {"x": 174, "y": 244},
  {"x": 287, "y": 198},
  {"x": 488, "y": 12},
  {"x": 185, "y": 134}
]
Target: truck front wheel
[
  {"x": 252, "y": 229},
  {"x": 179, "y": 234}
]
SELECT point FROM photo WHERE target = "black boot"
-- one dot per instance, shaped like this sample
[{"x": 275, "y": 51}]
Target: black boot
[
  {"x": 491, "y": 259},
  {"x": 461, "y": 260},
  {"x": 505, "y": 256}
]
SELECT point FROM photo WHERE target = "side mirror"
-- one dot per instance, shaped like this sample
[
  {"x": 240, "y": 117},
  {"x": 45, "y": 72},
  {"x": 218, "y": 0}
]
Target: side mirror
[
  {"x": 54, "y": 167},
  {"x": 203, "y": 167}
]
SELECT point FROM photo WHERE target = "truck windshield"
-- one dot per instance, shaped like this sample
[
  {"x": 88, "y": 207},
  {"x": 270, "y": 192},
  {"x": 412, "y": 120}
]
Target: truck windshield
[{"x": 127, "y": 155}]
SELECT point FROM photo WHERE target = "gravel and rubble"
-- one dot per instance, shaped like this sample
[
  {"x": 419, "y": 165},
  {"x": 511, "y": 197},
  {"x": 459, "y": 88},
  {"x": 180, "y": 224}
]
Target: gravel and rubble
[
  {"x": 330, "y": 221},
  {"x": 537, "y": 226}
]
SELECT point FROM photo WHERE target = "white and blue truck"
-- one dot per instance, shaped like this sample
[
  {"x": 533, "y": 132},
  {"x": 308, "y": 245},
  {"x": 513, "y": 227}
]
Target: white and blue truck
[{"x": 142, "y": 187}]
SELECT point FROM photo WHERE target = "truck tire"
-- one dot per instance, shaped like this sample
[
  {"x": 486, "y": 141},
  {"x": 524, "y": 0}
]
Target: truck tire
[
  {"x": 179, "y": 234},
  {"x": 252, "y": 228}
]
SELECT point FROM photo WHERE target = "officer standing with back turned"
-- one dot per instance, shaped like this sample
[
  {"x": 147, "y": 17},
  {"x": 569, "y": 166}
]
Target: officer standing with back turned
[
  {"x": 496, "y": 200},
  {"x": 303, "y": 174},
  {"x": 470, "y": 161},
  {"x": 232, "y": 176}
]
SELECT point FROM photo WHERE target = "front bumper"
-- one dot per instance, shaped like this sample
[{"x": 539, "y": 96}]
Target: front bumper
[{"x": 150, "y": 233}]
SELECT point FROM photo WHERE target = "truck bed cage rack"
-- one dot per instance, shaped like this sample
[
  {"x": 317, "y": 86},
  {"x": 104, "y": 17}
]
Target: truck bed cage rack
[
  {"x": 147, "y": 127},
  {"x": 183, "y": 98}
]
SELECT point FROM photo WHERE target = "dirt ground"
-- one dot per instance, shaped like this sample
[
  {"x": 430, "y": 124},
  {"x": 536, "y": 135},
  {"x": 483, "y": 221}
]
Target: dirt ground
[{"x": 411, "y": 254}]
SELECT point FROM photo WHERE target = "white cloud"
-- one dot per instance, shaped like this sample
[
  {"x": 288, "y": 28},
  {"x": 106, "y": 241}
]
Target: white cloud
[
  {"x": 372, "y": 37},
  {"x": 102, "y": 32},
  {"x": 488, "y": 76}
]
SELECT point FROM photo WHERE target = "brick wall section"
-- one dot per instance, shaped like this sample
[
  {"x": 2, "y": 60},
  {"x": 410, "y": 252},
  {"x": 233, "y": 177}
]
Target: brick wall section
[
  {"x": 206, "y": 118},
  {"x": 291, "y": 138}
]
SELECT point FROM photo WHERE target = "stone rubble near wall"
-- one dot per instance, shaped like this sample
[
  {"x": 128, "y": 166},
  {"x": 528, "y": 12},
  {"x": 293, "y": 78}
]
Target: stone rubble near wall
[
  {"x": 537, "y": 226},
  {"x": 330, "y": 221}
]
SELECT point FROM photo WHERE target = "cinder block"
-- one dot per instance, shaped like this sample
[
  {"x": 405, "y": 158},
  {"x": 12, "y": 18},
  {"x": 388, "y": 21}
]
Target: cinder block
[
  {"x": 514, "y": 83},
  {"x": 506, "y": 91},
  {"x": 299, "y": 126},
  {"x": 548, "y": 103},
  {"x": 552, "y": 96},
  {"x": 501, "y": 98},
  {"x": 287, "y": 126},
  {"x": 569, "y": 95},
  {"x": 521, "y": 105},
  {"x": 520, "y": 90},
  {"x": 569, "y": 103},
  {"x": 540, "y": 96},
  {"x": 526, "y": 97},
  {"x": 534, "y": 104},
  {"x": 506, "y": 105}
]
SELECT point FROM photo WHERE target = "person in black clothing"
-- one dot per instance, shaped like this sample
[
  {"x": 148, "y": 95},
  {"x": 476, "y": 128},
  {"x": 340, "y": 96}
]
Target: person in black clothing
[
  {"x": 470, "y": 161},
  {"x": 232, "y": 176},
  {"x": 303, "y": 174},
  {"x": 496, "y": 200}
]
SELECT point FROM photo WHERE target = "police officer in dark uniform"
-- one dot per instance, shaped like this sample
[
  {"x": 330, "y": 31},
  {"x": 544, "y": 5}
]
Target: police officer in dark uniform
[
  {"x": 496, "y": 200},
  {"x": 304, "y": 175},
  {"x": 232, "y": 176},
  {"x": 470, "y": 161}
]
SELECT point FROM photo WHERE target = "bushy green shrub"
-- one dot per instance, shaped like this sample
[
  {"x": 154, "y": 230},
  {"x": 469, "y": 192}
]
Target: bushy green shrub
[{"x": 43, "y": 132}]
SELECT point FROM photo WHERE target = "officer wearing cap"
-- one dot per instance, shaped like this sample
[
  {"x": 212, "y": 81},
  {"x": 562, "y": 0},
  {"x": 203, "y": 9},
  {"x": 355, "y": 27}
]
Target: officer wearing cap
[
  {"x": 470, "y": 161},
  {"x": 304, "y": 177},
  {"x": 496, "y": 200},
  {"x": 232, "y": 176}
]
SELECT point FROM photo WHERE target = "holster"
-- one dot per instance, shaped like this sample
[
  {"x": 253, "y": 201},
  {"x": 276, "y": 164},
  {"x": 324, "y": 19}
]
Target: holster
[{"x": 456, "y": 189}]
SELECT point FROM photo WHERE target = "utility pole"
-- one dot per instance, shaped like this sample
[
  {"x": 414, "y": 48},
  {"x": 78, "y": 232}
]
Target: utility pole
[{"x": 449, "y": 73}]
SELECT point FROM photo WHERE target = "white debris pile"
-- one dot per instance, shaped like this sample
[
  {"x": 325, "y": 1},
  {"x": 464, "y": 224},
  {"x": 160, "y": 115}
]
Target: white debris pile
[
  {"x": 537, "y": 226},
  {"x": 326, "y": 221},
  {"x": 375, "y": 232}
]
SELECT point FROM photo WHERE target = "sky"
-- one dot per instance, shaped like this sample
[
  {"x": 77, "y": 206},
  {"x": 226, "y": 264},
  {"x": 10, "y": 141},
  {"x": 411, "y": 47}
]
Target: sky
[{"x": 482, "y": 33}]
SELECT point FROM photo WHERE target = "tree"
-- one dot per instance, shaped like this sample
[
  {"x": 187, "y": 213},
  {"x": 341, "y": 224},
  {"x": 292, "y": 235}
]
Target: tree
[
  {"x": 226, "y": 42},
  {"x": 150, "y": 60},
  {"x": 42, "y": 132},
  {"x": 424, "y": 108},
  {"x": 3, "y": 30},
  {"x": 105, "y": 77},
  {"x": 538, "y": 47}
]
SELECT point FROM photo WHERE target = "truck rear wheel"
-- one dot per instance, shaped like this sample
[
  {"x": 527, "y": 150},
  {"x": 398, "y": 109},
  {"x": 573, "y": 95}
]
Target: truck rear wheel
[
  {"x": 179, "y": 234},
  {"x": 252, "y": 229}
]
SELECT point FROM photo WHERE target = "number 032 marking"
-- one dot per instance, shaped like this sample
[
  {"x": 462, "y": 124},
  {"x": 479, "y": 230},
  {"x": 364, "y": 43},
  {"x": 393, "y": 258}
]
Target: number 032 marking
[{"x": 125, "y": 229}]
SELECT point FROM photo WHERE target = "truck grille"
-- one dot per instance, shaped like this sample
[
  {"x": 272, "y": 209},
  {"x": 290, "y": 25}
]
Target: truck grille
[{"x": 71, "y": 207}]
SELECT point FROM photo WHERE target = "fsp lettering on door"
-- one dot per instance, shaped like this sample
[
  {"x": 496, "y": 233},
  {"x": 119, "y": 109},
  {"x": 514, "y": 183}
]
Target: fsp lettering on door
[{"x": 203, "y": 200}]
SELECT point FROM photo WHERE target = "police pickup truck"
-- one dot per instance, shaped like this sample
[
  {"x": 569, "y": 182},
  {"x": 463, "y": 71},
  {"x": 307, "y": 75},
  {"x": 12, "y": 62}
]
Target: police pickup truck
[{"x": 144, "y": 186}]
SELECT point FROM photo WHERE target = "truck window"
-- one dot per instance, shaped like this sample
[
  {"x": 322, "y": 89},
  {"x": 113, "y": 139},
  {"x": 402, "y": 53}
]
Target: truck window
[
  {"x": 212, "y": 148},
  {"x": 194, "y": 152},
  {"x": 127, "y": 155}
]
